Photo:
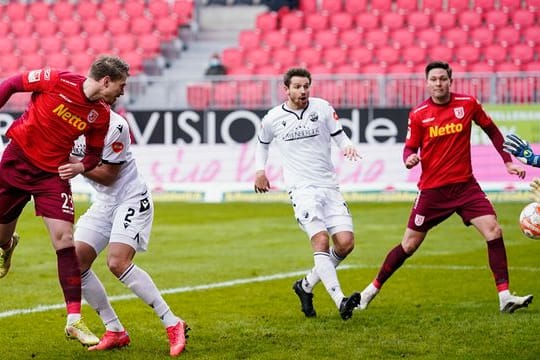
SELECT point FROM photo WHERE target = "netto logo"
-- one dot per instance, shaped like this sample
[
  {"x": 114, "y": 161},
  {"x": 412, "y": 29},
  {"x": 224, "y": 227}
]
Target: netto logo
[
  {"x": 63, "y": 113},
  {"x": 448, "y": 129}
]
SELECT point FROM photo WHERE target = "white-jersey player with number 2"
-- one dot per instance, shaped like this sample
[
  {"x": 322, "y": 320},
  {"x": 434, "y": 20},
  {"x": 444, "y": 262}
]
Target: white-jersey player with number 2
[{"x": 120, "y": 217}]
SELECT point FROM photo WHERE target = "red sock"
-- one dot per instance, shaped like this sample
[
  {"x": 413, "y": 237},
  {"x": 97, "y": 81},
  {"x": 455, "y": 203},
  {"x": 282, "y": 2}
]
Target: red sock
[
  {"x": 69, "y": 275},
  {"x": 498, "y": 263},
  {"x": 395, "y": 258}
]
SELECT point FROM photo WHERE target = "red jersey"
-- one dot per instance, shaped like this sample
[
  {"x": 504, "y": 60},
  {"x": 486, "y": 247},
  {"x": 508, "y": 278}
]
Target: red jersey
[
  {"x": 443, "y": 135},
  {"x": 57, "y": 114}
]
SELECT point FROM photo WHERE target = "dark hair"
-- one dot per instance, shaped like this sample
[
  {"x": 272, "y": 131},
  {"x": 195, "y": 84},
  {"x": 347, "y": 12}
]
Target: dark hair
[
  {"x": 439, "y": 65},
  {"x": 295, "y": 72},
  {"x": 112, "y": 66}
]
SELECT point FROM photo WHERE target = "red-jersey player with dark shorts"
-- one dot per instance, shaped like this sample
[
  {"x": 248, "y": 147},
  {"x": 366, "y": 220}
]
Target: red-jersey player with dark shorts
[
  {"x": 440, "y": 128},
  {"x": 35, "y": 164}
]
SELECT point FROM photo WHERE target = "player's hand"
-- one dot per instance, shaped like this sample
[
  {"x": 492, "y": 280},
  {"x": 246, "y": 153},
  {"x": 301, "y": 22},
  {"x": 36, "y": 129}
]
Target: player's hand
[
  {"x": 521, "y": 149},
  {"x": 70, "y": 170},
  {"x": 262, "y": 184},
  {"x": 412, "y": 161},
  {"x": 351, "y": 153},
  {"x": 535, "y": 189},
  {"x": 515, "y": 169}
]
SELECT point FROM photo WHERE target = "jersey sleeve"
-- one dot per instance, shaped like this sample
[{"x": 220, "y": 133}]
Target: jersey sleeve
[
  {"x": 414, "y": 132},
  {"x": 481, "y": 118},
  {"x": 331, "y": 119},
  {"x": 116, "y": 142},
  {"x": 266, "y": 134},
  {"x": 40, "y": 80}
]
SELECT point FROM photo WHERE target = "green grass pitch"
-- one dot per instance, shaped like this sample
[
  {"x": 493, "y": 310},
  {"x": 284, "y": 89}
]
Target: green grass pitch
[{"x": 227, "y": 269}]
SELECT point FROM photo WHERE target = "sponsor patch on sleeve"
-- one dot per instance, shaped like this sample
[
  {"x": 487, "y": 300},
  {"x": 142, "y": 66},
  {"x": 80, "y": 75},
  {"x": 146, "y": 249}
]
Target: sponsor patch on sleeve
[
  {"x": 34, "y": 76},
  {"x": 336, "y": 117},
  {"x": 117, "y": 147}
]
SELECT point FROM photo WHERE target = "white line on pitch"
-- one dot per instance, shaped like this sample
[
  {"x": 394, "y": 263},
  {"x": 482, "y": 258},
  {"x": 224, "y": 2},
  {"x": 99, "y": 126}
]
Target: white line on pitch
[{"x": 43, "y": 308}]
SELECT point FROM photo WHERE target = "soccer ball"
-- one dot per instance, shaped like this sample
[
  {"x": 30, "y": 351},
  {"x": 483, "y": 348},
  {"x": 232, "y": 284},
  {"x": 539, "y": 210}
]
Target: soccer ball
[{"x": 529, "y": 220}]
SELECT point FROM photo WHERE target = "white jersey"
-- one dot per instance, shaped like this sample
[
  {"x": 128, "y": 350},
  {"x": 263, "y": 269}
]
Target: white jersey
[
  {"x": 304, "y": 141},
  {"x": 116, "y": 150}
]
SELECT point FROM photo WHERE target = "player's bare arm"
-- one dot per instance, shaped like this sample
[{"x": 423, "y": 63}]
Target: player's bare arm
[
  {"x": 104, "y": 174},
  {"x": 514, "y": 169},
  {"x": 262, "y": 184}
]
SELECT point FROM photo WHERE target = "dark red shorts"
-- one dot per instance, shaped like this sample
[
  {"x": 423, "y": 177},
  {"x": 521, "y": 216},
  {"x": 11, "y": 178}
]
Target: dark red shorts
[
  {"x": 433, "y": 206},
  {"x": 20, "y": 180}
]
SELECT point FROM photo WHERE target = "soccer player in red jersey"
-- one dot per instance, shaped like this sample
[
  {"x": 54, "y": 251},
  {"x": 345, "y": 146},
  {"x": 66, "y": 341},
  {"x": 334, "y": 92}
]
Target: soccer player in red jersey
[
  {"x": 440, "y": 128},
  {"x": 35, "y": 164}
]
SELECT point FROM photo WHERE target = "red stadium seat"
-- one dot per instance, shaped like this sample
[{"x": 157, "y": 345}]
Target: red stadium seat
[
  {"x": 531, "y": 35},
  {"x": 335, "y": 56},
  {"x": 440, "y": 52},
  {"x": 134, "y": 8},
  {"x": 267, "y": 69},
  {"x": 414, "y": 55},
  {"x": 62, "y": 9},
  {"x": 432, "y": 6},
  {"x": 346, "y": 69},
  {"x": 317, "y": 21},
  {"x": 141, "y": 25},
  {"x": 469, "y": 19},
  {"x": 308, "y": 6},
  {"x": 21, "y": 28},
  {"x": 57, "y": 61},
  {"x": 39, "y": 10},
  {"x": 198, "y": 95},
  {"x": 249, "y": 39},
  {"x": 257, "y": 57},
  {"x": 8, "y": 66},
  {"x": 292, "y": 21},
  {"x": 86, "y": 9},
  {"x": 341, "y": 21},
  {"x": 117, "y": 26},
  {"x": 224, "y": 95},
  {"x": 32, "y": 62},
  {"x": 332, "y": 6},
  {"x": 406, "y": 6},
  {"x": 532, "y": 5},
  {"x": 387, "y": 55},
  {"x": 361, "y": 55},
  {"x": 15, "y": 10},
  {"x": 379, "y": 7},
  {"x": 402, "y": 38},
  {"x": 94, "y": 26},
  {"x": 457, "y": 6},
  {"x": 124, "y": 43},
  {"x": 183, "y": 9},
  {"x": 509, "y": 5},
  {"x": 495, "y": 53},
  {"x": 285, "y": 57},
  {"x": 467, "y": 54},
  {"x": 354, "y": 7},
  {"x": 508, "y": 67},
  {"x": 51, "y": 44},
  {"x": 275, "y": 38},
  {"x": 99, "y": 44},
  {"x": 301, "y": 38},
  {"x": 69, "y": 27},
  {"x": 110, "y": 9},
  {"x": 400, "y": 69},
  {"x": 443, "y": 21},
  {"x": 361, "y": 92},
  {"x": 75, "y": 44},
  {"x": 159, "y": 9},
  {"x": 150, "y": 44},
  {"x": 495, "y": 19},
  {"x": 522, "y": 18},
  {"x": 376, "y": 38},
  {"x": 351, "y": 38},
  {"x": 44, "y": 28},
  {"x": 27, "y": 45},
  {"x": 392, "y": 21},
  {"x": 507, "y": 36},
  {"x": 232, "y": 57},
  {"x": 521, "y": 53},
  {"x": 326, "y": 38},
  {"x": 481, "y": 67},
  {"x": 417, "y": 21},
  {"x": 320, "y": 69},
  {"x": 135, "y": 61},
  {"x": 428, "y": 38},
  {"x": 533, "y": 66},
  {"x": 80, "y": 62},
  {"x": 240, "y": 70},
  {"x": 481, "y": 36},
  {"x": 309, "y": 56},
  {"x": 482, "y": 6},
  {"x": 4, "y": 27},
  {"x": 455, "y": 37},
  {"x": 266, "y": 21},
  {"x": 7, "y": 46},
  {"x": 366, "y": 21},
  {"x": 373, "y": 69},
  {"x": 330, "y": 90},
  {"x": 167, "y": 28},
  {"x": 252, "y": 94}
]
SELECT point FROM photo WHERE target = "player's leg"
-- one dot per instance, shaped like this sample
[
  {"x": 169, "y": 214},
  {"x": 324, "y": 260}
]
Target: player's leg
[
  {"x": 124, "y": 243},
  {"x": 490, "y": 229},
  {"x": 69, "y": 275},
  {"x": 91, "y": 237},
  {"x": 7, "y": 247}
]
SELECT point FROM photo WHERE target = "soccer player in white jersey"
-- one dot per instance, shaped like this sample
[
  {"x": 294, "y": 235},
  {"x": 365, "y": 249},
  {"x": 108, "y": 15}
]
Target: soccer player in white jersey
[
  {"x": 303, "y": 128},
  {"x": 120, "y": 217}
]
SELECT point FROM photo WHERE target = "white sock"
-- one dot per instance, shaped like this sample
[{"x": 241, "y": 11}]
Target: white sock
[
  {"x": 95, "y": 295},
  {"x": 71, "y": 318},
  {"x": 142, "y": 285},
  {"x": 312, "y": 278},
  {"x": 328, "y": 275},
  {"x": 503, "y": 295}
]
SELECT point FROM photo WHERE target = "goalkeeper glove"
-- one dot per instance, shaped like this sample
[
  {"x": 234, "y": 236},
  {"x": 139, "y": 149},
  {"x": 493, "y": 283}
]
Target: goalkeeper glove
[
  {"x": 535, "y": 189},
  {"x": 521, "y": 150}
]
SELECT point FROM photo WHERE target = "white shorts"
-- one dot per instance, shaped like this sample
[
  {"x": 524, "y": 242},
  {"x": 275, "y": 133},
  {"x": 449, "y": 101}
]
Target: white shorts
[
  {"x": 128, "y": 223},
  {"x": 321, "y": 209}
]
